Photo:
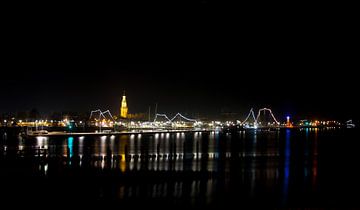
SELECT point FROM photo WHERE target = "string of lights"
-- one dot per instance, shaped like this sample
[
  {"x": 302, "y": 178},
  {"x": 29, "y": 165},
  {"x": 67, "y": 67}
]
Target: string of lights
[
  {"x": 101, "y": 114},
  {"x": 251, "y": 113},
  {"x": 182, "y": 116},
  {"x": 108, "y": 111},
  {"x": 161, "y": 115},
  {"x": 266, "y": 109},
  {"x": 172, "y": 119}
]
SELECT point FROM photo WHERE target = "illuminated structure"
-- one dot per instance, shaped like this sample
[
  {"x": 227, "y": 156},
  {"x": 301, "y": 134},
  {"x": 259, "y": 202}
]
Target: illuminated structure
[
  {"x": 101, "y": 114},
  {"x": 178, "y": 121},
  {"x": 256, "y": 120},
  {"x": 124, "y": 108},
  {"x": 288, "y": 120},
  {"x": 288, "y": 123},
  {"x": 173, "y": 119},
  {"x": 271, "y": 114}
]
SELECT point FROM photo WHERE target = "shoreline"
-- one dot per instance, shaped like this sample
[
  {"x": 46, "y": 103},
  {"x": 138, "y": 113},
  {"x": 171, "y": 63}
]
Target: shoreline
[{"x": 117, "y": 133}]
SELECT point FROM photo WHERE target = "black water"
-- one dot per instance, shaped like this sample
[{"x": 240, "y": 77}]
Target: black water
[{"x": 249, "y": 169}]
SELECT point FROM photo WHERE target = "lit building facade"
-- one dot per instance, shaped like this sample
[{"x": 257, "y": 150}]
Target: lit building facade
[{"x": 124, "y": 108}]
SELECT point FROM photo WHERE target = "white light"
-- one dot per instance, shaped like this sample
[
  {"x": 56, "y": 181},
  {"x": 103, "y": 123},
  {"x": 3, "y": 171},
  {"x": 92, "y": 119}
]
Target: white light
[
  {"x": 41, "y": 140},
  {"x": 102, "y": 114}
]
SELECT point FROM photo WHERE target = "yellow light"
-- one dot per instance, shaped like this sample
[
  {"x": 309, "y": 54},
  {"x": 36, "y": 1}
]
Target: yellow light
[{"x": 124, "y": 108}]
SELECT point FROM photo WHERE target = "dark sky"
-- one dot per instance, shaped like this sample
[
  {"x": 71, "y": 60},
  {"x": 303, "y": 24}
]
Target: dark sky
[{"x": 197, "y": 58}]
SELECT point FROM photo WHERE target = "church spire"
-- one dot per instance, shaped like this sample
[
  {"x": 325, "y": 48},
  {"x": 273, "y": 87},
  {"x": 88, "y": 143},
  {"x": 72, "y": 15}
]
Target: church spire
[{"x": 124, "y": 108}]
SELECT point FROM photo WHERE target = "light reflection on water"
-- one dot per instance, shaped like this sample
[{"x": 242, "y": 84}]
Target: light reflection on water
[
  {"x": 160, "y": 151},
  {"x": 42, "y": 141},
  {"x": 172, "y": 151},
  {"x": 287, "y": 164},
  {"x": 70, "y": 143},
  {"x": 252, "y": 159}
]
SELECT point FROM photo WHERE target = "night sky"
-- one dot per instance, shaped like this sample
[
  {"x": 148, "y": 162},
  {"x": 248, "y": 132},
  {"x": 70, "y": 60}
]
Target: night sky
[{"x": 201, "y": 59}]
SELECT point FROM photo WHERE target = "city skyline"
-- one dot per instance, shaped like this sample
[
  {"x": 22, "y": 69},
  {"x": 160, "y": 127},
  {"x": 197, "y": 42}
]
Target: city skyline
[
  {"x": 187, "y": 104},
  {"x": 210, "y": 62},
  {"x": 206, "y": 94}
]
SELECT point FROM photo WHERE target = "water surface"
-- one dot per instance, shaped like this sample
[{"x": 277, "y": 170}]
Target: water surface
[{"x": 253, "y": 168}]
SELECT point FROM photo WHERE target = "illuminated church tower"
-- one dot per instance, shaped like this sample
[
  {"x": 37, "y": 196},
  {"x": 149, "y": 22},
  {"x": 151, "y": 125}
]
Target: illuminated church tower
[{"x": 124, "y": 108}]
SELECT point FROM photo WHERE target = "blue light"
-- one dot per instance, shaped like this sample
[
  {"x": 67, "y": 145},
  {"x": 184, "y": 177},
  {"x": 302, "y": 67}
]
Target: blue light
[
  {"x": 287, "y": 147},
  {"x": 70, "y": 145},
  {"x": 287, "y": 154}
]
